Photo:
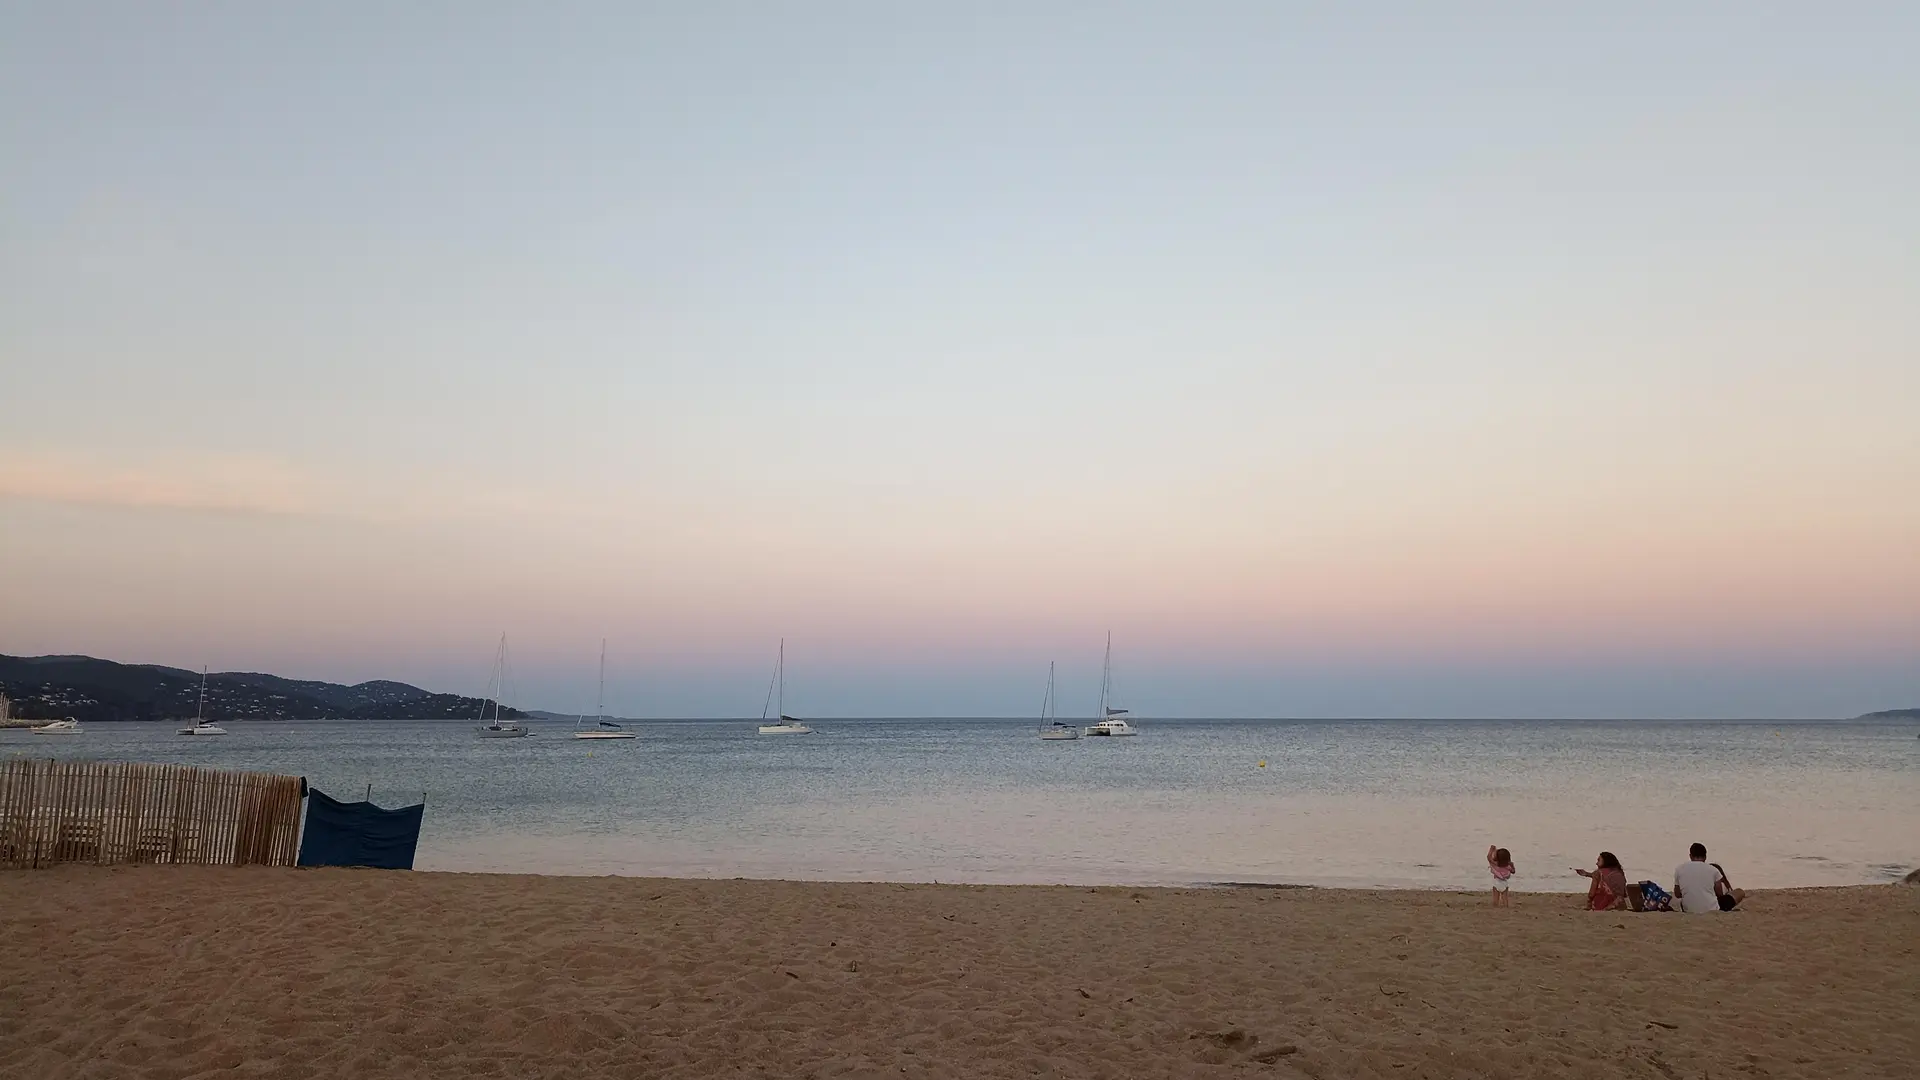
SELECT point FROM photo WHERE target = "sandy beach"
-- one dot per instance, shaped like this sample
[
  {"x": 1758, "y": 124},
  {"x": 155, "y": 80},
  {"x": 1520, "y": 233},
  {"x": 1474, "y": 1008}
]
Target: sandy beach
[{"x": 169, "y": 973}]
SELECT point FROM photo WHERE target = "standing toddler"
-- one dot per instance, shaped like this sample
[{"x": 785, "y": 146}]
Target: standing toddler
[{"x": 1500, "y": 865}]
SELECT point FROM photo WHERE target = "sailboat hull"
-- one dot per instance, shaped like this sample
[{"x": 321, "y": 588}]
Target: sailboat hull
[
  {"x": 785, "y": 729},
  {"x": 599, "y": 736},
  {"x": 502, "y": 732}
]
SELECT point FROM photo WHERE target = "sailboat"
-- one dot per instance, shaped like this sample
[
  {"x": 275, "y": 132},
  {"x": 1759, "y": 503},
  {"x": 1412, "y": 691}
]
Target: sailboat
[
  {"x": 1111, "y": 721},
  {"x": 603, "y": 728},
  {"x": 201, "y": 725},
  {"x": 787, "y": 725},
  {"x": 498, "y": 728},
  {"x": 1051, "y": 728}
]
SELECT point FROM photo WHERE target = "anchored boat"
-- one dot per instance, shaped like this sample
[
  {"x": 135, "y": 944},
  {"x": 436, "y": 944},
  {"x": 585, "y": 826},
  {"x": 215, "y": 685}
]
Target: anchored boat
[
  {"x": 1112, "y": 721},
  {"x": 786, "y": 725},
  {"x": 1051, "y": 727},
  {"x": 201, "y": 725},
  {"x": 498, "y": 727},
  {"x": 603, "y": 728}
]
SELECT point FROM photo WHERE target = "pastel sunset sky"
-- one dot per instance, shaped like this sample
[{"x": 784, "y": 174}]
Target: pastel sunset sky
[{"x": 1356, "y": 363}]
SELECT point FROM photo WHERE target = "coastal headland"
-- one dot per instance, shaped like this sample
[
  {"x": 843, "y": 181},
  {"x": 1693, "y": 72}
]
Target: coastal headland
[{"x": 176, "y": 972}]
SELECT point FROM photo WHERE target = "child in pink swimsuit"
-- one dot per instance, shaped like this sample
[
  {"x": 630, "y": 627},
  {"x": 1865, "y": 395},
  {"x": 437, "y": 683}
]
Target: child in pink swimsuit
[{"x": 1500, "y": 865}]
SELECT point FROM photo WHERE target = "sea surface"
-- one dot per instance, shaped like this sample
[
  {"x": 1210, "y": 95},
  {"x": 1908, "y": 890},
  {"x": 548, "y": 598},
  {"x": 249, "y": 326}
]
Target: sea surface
[{"x": 1389, "y": 803}]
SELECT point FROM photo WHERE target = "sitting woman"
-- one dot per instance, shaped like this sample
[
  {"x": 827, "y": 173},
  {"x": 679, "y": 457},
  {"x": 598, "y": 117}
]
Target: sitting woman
[
  {"x": 1609, "y": 888},
  {"x": 1723, "y": 890}
]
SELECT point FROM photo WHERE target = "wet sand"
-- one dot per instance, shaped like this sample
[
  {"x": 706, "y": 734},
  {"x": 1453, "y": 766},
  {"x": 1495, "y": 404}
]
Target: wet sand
[{"x": 169, "y": 973}]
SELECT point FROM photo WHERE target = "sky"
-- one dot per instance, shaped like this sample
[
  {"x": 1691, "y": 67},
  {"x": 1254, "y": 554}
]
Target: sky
[{"x": 1358, "y": 362}]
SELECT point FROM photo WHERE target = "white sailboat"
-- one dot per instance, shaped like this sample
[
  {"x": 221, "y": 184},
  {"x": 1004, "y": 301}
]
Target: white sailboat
[
  {"x": 603, "y": 727},
  {"x": 498, "y": 728},
  {"x": 786, "y": 725},
  {"x": 201, "y": 725},
  {"x": 1051, "y": 727},
  {"x": 1112, "y": 721}
]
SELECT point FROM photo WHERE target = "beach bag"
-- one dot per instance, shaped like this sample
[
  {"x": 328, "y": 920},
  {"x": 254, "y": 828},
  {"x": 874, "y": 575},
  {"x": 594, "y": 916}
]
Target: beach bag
[{"x": 1654, "y": 898}]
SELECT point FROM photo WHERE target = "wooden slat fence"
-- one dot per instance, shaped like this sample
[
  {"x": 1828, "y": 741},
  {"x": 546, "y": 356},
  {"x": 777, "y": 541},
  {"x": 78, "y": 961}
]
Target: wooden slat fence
[{"x": 121, "y": 812}]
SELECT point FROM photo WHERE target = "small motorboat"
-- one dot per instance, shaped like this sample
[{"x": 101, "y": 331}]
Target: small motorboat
[{"x": 69, "y": 726}]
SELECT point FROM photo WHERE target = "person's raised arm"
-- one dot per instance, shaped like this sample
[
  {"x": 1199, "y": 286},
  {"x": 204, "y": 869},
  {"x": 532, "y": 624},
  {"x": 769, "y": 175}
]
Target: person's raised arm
[{"x": 1491, "y": 848}]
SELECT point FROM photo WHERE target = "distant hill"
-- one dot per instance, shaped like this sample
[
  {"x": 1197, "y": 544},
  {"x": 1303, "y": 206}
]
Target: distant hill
[
  {"x": 50, "y": 687},
  {"x": 1892, "y": 714},
  {"x": 543, "y": 714}
]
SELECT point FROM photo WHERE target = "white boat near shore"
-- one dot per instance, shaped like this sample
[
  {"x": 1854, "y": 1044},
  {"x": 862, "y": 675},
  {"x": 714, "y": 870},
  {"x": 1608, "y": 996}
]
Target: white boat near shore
[{"x": 69, "y": 726}]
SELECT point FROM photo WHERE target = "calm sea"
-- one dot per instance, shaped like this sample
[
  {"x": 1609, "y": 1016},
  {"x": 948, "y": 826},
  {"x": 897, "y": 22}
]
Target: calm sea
[{"x": 1366, "y": 803}]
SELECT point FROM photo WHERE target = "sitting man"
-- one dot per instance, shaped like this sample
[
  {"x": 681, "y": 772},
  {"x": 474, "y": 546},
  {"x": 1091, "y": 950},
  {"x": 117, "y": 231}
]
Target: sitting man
[{"x": 1696, "y": 882}]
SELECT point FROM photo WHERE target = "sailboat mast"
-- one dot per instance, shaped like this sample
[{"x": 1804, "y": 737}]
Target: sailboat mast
[
  {"x": 200, "y": 711},
  {"x": 1106, "y": 674},
  {"x": 499, "y": 681},
  {"x": 781, "y": 674},
  {"x": 600, "y": 700}
]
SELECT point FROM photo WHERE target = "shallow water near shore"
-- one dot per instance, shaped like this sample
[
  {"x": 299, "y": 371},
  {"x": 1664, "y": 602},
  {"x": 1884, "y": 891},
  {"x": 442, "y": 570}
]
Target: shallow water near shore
[{"x": 1401, "y": 803}]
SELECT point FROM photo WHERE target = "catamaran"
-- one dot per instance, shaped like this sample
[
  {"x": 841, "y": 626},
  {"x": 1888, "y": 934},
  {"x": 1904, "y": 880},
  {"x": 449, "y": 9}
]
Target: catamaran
[
  {"x": 1111, "y": 721},
  {"x": 787, "y": 725},
  {"x": 1051, "y": 727},
  {"x": 496, "y": 689},
  {"x": 603, "y": 727},
  {"x": 201, "y": 725}
]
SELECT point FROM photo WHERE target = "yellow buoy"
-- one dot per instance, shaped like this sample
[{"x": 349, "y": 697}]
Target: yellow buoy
[{"x": 1263, "y": 763}]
